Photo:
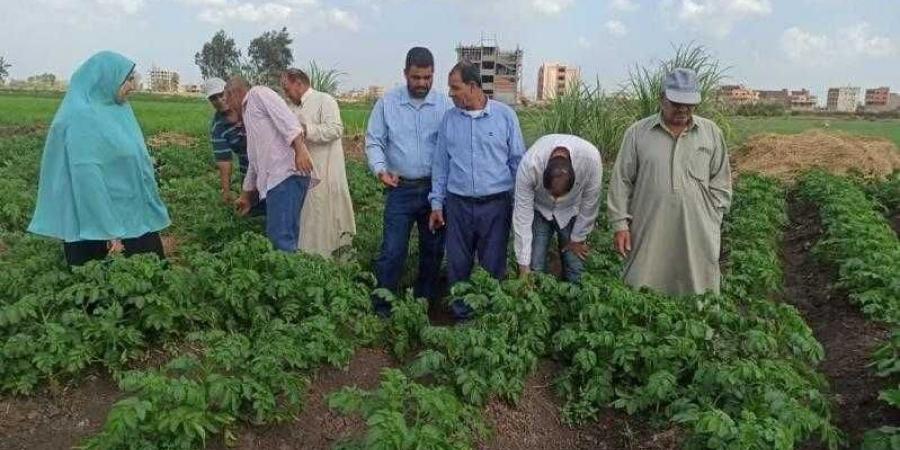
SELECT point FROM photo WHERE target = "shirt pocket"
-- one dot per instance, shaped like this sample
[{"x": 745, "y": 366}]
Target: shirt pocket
[{"x": 698, "y": 164}]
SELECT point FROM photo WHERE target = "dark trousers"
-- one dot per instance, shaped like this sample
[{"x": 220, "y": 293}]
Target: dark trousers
[
  {"x": 406, "y": 205},
  {"x": 80, "y": 252},
  {"x": 283, "y": 205},
  {"x": 476, "y": 227}
]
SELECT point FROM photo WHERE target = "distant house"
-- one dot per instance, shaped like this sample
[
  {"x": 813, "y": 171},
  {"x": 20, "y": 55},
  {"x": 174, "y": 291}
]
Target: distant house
[{"x": 843, "y": 99}]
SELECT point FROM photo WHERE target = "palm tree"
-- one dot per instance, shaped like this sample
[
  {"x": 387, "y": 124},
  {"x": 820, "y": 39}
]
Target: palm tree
[{"x": 324, "y": 80}]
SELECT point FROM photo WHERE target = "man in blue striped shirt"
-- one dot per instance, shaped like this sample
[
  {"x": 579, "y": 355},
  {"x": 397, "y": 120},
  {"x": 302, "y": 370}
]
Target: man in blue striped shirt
[
  {"x": 400, "y": 142},
  {"x": 227, "y": 138},
  {"x": 474, "y": 169}
]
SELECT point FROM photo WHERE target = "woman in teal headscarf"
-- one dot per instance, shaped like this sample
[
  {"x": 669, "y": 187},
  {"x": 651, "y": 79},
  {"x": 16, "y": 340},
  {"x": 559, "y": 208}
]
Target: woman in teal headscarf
[{"x": 97, "y": 180}]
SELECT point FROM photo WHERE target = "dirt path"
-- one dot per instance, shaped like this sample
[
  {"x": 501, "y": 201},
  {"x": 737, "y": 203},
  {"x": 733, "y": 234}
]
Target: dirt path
[
  {"x": 847, "y": 336},
  {"x": 55, "y": 420},
  {"x": 535, "y": 423},
  {"x": 317, "y": 427}
]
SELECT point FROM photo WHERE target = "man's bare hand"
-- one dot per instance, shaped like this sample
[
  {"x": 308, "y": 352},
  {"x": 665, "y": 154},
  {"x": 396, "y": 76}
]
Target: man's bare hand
[
  {"x": 622, "y": 242},
  {"x": 303, "y": 161},
  {"x": 579, "y": 249},
  {"x": 388, "y": 179},
  {"x": 114, "y": 246},
  {"x": 436, "y": 221},
  {"x": 244, "y": 203}
]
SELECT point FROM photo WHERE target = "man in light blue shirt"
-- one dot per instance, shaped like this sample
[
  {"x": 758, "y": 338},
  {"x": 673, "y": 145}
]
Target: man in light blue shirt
[
  {"x": 474, "y": 170},
  {"x": 400, "y": 142}
]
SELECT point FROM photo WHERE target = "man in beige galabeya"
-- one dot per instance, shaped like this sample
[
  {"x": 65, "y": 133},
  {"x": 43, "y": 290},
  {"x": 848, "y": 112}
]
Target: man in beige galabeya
[
  {"x": 327, "y": 222},
  {"x": 670, "y": 187}
]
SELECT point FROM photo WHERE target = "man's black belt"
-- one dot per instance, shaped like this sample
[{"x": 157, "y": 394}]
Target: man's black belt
[
  {"x": 414, "y": 182},
  {"x": 485, "y": 198}
]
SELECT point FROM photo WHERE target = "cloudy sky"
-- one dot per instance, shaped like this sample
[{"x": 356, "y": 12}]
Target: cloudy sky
[{"x": 766, "y": 43}]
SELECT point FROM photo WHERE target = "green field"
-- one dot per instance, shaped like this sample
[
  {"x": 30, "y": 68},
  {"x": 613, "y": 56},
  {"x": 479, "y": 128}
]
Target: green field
[
  {"x": 191, "y": 116},
  {"x": 229, "y": 342},
  {"x": 156, "y": 113},
  {"x": 744, "y": 127}
]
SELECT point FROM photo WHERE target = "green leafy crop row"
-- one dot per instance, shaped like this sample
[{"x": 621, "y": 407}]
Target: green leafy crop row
[
  {"x": 733, "y": 370},
  {"x": 859, "y": 241}
]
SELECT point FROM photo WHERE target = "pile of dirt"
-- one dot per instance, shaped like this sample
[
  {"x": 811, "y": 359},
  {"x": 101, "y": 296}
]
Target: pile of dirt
[
  {"x": 171, "y": 139},
  {"x": 787, "y": 156}
]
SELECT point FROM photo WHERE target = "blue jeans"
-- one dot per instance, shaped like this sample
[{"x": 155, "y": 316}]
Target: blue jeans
[
  {"x": 479, "y": 228},
  {"x": 405, "y": 206},
  {"x": 283, "y": 205},
  {"x": 543, "y": 231}
]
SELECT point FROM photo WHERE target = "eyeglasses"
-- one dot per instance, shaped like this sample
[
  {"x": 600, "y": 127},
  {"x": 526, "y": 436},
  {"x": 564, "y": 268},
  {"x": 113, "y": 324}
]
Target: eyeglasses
[{"x": 216, "y": 97}]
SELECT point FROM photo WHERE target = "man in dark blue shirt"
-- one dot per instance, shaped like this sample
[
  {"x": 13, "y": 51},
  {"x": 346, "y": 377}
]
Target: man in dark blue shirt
[{"x": 226, "y": 134}]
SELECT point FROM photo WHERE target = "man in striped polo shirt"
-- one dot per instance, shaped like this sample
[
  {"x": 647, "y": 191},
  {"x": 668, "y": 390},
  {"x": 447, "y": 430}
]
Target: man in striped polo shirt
[{"x": 226, "y": 134}]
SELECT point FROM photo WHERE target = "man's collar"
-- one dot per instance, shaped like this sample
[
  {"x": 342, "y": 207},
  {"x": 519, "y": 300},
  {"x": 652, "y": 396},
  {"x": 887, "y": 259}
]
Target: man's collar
[
  {"x": 428, "y": 100},
  {"x": 659, "y": 122},
  {"x": 488, "y": 108}
]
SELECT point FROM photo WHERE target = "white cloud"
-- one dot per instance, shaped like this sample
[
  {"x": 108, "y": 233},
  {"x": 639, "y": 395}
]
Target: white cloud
[
  {"x": 247, "y": 12},
  {"x": 583, "y": 42},
  {"x": 343, "y": 19},
  {"x": 800, "y": 45},
  {"x": 126, "y": 6},
  {"x": 550, "y": 7},
  {"x": 92, "y": 7},
  {"x": 616, "y": 28},
  {"x": 853, "y": 42},
  {"x": 205, "y": 2},
  {"x": 624, "y": 5},
  {"x": 718, "y": 17},
  {"x": 858, "y": 37}
]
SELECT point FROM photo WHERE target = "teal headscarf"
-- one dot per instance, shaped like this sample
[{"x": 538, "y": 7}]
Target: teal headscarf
[{"x": 97, "y": 180}]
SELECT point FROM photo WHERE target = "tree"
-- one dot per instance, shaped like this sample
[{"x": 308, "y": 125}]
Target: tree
[
  {"x": 4, "y": 70},
  {"x": 324, "y": 80},
  {"x": 44, "y": 78},
  {"x": 219, "y": 57},
  {"x": 270, "y": 54}
]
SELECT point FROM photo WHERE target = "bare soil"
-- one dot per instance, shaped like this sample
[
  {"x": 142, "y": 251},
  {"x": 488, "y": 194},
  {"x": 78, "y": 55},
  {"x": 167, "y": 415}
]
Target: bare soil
[
  {"x": 58, "y": 418},
  {"x": 787, "y": 156},
  {"x": 535, "y": 423},
  {"x": 172, "y": 139},
  {"x": 849, "y": 338},
  {"x": 317, "y": 426},
  {"x": 355, "y": 147},
  {"x": 21, "y": 130}
]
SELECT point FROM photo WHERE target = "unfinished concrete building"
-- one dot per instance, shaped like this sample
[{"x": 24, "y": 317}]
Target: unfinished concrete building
[{"x": 500, "y": 70}]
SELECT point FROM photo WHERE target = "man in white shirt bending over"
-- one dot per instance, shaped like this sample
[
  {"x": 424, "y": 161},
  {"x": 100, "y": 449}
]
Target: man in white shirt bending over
[{"x": 557, "y": 192}]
